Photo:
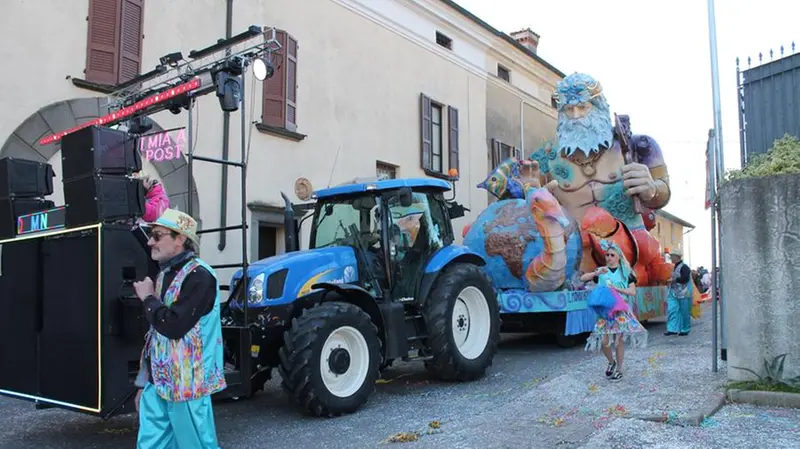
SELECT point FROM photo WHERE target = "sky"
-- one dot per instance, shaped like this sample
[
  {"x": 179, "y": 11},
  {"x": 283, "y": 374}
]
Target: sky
[{"x": 653, "y": 61}]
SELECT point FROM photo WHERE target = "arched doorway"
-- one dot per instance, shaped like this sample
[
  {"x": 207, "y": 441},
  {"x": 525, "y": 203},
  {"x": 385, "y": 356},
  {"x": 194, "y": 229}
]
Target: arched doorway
[{"x": 23, "y": 143}]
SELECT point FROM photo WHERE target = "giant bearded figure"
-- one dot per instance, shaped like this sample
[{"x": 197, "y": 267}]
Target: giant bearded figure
[{"x": 589, "y": 177}]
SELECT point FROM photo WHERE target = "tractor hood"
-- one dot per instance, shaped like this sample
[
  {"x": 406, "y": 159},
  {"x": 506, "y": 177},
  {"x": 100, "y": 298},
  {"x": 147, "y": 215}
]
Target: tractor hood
[{"x": 283, "y": 278}]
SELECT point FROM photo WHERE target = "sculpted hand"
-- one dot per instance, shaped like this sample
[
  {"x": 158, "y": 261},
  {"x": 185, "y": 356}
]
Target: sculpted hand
[
  {"x": 144, "y": 288},
  {"x": 529, "y": 171},
  {"x": 638, "y": 181}
]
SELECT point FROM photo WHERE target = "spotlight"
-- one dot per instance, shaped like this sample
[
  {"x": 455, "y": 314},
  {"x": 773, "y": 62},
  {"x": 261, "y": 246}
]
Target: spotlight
[
  {"x": 140, "y": 125},
  {"x": 262, "y": 69},
  {"x": 229, "y": 90},
  {"x": 171, "y": 59}
]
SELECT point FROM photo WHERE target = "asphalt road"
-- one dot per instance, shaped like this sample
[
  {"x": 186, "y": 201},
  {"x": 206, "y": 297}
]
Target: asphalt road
[{"x": 407, "y": 399}]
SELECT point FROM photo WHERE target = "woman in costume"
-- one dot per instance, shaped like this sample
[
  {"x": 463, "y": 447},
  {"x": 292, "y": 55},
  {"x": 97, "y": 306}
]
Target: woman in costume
[{"x": 619, "y": 324}]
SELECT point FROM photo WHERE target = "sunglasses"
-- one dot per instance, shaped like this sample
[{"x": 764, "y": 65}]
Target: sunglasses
[{"x": 157, "y": 236}]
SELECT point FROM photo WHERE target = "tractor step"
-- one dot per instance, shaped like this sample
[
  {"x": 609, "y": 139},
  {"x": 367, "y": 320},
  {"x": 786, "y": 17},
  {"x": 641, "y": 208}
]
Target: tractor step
[
  {"x": 413, "y": 317},
  {"x": 416, "y": 338},
  {"x": 413, "y": 354}
]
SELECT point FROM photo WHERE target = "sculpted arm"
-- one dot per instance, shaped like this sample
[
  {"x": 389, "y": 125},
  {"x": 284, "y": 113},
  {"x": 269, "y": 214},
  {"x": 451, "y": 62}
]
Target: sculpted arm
[{"x": 649, "y": 179}]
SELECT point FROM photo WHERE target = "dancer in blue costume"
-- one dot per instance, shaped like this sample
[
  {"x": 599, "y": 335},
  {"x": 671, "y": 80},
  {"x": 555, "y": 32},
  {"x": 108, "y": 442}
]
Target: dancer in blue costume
[
  {"x": 679, "y": 301},
  {"x": 181, "y": 364},
  {"x": 617, "y": 275}
]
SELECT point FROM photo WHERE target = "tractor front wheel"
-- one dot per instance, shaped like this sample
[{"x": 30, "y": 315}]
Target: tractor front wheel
[
  {"x": 330, "y": 359},
  {"x": 463, "y": 323}
]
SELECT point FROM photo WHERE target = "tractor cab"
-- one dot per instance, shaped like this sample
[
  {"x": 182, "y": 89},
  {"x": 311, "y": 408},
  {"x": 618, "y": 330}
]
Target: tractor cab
[{"x": 394, "y": 227}]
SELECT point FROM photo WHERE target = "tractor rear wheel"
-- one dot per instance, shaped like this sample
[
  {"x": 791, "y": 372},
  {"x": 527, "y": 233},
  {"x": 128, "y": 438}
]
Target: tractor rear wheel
[
  {"x": 330, "y": 359},
  {"x": 463, "y": 323}
]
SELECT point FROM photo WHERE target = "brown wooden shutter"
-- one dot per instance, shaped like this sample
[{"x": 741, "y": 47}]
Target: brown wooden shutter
[
  {"x": 130, "y": 43},
  {"x": 426, "y": 115},
  {"x": 273, "y": 110},
  {"x": 102, "y": 55},
  {"x": 291, "y": 83},
  {"x": 452, "y": 141},
  {"x": 496, "y": 154}
]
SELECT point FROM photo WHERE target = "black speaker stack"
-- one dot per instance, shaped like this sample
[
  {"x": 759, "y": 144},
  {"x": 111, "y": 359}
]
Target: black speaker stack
[
  {"x": 97, "y": 163},
  {"x": 24, "y": 184},
  {"x": 68, "y": 334}
]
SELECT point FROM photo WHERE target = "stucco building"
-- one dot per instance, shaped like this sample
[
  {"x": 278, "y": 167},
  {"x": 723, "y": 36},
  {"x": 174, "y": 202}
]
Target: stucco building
[
  {"x": 670, "y": 231},
  {"x": 401, "y": 88}
]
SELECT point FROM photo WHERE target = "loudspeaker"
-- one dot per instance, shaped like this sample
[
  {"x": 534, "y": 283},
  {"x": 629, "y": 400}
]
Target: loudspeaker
[
  {"x": 22, "y": 178},
  {"x": 98, "y": 150},
  {"x": 63, "y": 337},
  {"x": 12, "y": 208},
  {"x": 20, "y": 320},
  {"x": 95, "y": 199}
]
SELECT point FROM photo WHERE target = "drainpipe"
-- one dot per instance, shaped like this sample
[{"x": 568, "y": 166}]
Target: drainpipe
[
  {"x": 522, "y": 104},
  {"x": 226, "y": 124}
]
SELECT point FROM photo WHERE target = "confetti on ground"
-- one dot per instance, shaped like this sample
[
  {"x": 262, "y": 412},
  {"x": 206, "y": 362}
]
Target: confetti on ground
[
  {"x": 708, "y": 422},
  {"x": 593, "y": 388},
  {"x": 433, "y": 427},
  {"x": 403, "y": 437},
  {"x": 386, "y": 381},
  {"x": 617, "y": 410},
  {"x": 116, "y": 431}
]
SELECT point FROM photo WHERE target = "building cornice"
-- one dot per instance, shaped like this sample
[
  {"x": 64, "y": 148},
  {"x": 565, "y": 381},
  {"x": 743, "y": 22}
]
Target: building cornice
[{"x": 475, "y": 36}]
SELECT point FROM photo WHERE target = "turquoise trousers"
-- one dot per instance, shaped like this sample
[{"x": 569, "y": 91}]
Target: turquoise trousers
[
  {"x": 679, "y": 318},
  {"x": 175, "y": 425}
]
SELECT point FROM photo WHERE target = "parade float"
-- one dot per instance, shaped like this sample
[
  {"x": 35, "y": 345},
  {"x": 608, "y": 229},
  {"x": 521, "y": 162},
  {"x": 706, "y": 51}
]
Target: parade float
[{"x": 599, "y": 181}]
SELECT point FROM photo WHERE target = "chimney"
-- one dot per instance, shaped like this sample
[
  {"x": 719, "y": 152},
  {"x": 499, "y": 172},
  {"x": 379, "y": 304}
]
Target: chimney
[{"x": 527, "y": 38}]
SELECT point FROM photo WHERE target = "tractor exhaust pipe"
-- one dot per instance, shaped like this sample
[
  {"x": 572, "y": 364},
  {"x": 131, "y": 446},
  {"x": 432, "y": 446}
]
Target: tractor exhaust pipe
[{"x": 289, "y": 225}]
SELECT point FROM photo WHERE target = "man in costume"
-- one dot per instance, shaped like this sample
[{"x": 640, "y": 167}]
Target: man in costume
[
  {"x": 182, "y": 360},
  {"x": 590, "y": 178},
  {"x": 679, "y": 301}
]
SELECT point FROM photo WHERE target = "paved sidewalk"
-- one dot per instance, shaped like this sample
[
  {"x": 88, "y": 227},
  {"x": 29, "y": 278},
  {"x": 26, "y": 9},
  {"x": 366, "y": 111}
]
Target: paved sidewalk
[{"x": 671, "y": 378}]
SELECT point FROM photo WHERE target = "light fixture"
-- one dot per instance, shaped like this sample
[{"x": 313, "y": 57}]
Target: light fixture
[
  {"x": 229, "y": 90},
  {"x": 262, "y": 69}
]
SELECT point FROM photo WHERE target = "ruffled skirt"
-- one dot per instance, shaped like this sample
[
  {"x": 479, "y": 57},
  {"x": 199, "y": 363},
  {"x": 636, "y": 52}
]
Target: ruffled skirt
[{"x": 624, "y": 327}]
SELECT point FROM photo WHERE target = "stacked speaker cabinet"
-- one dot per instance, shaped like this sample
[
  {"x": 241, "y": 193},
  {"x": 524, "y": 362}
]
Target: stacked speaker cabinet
[
  {"x": 23, "y": 186},
  {"x": 71, "y": 332},
  {"x": 97, "y": 163}
]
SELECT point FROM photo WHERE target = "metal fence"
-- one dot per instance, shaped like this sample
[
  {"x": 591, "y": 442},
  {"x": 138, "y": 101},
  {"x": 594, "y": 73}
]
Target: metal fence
[{"x": 769, "y": 101}]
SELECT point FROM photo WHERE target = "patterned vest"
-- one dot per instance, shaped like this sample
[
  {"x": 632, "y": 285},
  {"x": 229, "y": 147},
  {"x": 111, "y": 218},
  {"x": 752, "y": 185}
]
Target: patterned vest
[
  {"x": 192, "y": 367},
  {"x": 677, "y": 290}
]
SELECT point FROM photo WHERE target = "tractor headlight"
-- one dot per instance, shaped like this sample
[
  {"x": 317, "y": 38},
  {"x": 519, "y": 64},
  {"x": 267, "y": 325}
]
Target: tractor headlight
[{"x": 256, "y": 292}]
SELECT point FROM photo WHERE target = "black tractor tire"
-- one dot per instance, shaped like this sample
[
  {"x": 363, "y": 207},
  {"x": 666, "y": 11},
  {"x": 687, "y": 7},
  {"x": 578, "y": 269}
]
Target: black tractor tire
[
  {"x": 301, "y": 368},
  {"x": 448, "y": 362}
]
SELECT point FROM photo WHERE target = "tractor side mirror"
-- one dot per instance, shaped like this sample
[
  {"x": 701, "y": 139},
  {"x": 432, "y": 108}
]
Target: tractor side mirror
[{"x": 455, "y": 210}]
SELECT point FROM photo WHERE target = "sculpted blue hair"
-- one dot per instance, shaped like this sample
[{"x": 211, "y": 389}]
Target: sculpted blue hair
[{"x": 592, "y": 132}]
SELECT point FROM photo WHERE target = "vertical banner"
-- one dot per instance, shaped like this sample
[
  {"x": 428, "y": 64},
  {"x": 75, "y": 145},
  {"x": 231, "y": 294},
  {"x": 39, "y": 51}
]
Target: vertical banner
[{"x": 709, "y": 178}]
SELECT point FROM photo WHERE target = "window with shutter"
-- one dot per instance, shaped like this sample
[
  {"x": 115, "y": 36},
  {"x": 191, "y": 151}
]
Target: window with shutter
[
  {"x": 279, "y": 107},
  {"x": 452, "y": 140},
  {"x": 114, "y": 43}
]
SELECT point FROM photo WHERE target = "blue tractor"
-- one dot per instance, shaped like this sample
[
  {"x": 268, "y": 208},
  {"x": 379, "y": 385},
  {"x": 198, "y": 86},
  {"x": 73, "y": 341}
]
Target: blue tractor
[{"x": 382, "y": 280}]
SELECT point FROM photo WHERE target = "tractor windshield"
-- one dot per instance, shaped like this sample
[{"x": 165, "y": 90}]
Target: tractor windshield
[{"x": 336, "y": 220}]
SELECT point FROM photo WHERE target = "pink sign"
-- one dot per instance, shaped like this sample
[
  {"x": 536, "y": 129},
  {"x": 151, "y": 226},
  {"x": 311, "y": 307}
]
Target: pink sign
[{"x": 164, "y": 146}]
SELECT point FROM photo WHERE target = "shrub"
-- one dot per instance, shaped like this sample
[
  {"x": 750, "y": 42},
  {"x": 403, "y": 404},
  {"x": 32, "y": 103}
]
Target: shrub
[{"x": 782, "y": 158}]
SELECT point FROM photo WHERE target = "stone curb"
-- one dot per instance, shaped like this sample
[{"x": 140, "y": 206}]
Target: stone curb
[
  {"x": 764, "y": 398},
  {"x": 713, "y": 404}
]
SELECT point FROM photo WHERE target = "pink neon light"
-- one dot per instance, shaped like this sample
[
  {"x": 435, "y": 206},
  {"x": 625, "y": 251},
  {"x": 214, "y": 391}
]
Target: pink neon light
[{"x": 128, "y": 111}]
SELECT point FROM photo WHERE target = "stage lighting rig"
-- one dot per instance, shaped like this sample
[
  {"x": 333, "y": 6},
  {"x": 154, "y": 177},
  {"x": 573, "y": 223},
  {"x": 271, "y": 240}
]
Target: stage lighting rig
[{"x": 176, "y": 81}]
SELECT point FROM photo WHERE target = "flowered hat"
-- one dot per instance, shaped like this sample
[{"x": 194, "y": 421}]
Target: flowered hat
[{"x": 179, "y": 222}]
